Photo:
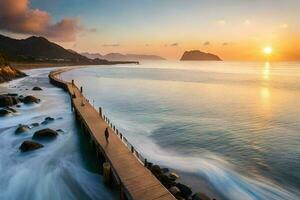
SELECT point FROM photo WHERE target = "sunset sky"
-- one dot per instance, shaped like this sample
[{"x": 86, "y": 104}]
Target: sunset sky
[{"x": 233, "y": 29}]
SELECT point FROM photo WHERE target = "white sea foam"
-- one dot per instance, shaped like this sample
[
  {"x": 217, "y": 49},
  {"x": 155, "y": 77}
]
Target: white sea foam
[{"x": 56, "y": 171}]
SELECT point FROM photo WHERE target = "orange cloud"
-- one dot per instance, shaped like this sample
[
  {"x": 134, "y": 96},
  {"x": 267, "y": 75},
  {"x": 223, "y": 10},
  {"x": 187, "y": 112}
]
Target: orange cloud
[{"x": 16, "y": 16}]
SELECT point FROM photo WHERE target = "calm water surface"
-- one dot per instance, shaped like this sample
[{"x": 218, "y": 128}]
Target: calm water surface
[{"x": 231, "y": 126}]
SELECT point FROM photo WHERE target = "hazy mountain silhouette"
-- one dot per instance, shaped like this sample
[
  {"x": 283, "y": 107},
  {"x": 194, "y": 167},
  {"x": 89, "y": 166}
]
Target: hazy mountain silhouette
[
  {"x": 199, "y": 55},
  {"x": 119, "y": 56},
  {"x": 36, "y": 49}
]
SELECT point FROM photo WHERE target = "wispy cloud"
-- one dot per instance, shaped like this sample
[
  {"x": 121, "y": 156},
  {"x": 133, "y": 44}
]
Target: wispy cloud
[
  {"x": 111, "y": 45},
  {"x": 16, "y": 16}
]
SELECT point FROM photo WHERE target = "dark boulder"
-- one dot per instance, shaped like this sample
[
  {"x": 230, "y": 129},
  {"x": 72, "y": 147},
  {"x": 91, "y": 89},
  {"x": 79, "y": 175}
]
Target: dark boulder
[
  {"x": 34, "y": 124},
  {"x": 173, "y": 176},
  {"x": 36, "y": 88},
  {"x": 200, "y": 196},
  {"x": 186, "y": 191},
  {"x": 49, "y": 119},
  {"x": 149, "y": 165},
  {"x": 22, "y": 128},
  {"x": 166, "y": 181},
  {"x": 174, "y": 190},
  {"x": 11, "y": 110},
  {"x": 6, "y": 100},
  {"x": 165, "y": 170},
  {"x": 155, "y": 169},
  {"x": 12, "y": 94},
  {"x": 4, "y": 112},
  {"x": 30, "y": 99},
  {"x": 29, "y": 145},
  {"x": 46, "y": 133}
]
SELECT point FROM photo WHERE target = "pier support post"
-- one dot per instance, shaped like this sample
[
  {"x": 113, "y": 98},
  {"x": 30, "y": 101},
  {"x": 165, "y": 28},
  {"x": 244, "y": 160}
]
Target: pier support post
[
  {"x": 106, "y": 173},
  {"x": 122, "y": 194},
  {"x": 100, "y": 112}
]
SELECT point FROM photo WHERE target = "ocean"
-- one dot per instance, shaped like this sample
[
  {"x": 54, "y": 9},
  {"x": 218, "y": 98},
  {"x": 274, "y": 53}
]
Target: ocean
[
  {"x": 229, "y": 129},
  {"x": 65, "y": 168}
]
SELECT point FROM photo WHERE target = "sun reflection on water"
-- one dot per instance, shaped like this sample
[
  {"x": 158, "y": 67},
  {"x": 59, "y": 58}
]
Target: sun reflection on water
[
  {"x": 266, "y": 71},
  {"x": 265, "y": 91}
]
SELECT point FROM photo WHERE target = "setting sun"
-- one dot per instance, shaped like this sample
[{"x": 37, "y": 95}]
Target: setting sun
[{"x": 268, "y": 50}]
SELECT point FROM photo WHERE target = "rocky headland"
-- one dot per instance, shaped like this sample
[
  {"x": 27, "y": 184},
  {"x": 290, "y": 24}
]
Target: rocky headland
[
  {"x": 197, "y": 55},
  {"x": 8, "y": 73}
]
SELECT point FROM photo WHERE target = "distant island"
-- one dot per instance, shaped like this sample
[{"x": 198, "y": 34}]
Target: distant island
[
  {"x": 119, "y": 56},
  {"x": 40, "y": 50},
  {"x": 199, "y": 56}
]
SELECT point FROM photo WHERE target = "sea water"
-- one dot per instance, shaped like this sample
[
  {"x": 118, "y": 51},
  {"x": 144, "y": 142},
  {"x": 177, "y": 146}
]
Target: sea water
[
  {"x": 65, "y": 168},
  {"x": 230, "y": 129}
]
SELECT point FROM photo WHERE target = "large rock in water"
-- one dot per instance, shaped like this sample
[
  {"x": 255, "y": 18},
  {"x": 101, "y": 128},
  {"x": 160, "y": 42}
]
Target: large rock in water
[
  {"x": 7, "y": 100},
  {"x": 29, "y": 145},
  {"x": 36, "y": 88},
  {"x": 22, "y": 128},
  {"x": 186, "y": 191},
  {"x": 46, "y": 133},
  {"x": 30, "y": 99},
  {"x": 4, "y": 112},
  {"x": 199, "y": 55}
]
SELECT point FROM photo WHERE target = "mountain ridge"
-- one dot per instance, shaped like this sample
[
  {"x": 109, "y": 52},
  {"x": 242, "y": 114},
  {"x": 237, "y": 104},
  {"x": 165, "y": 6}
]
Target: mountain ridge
[{"x": 119, "y": 56}]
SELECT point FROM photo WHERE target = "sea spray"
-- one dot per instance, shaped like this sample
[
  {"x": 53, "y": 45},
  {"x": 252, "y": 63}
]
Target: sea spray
[{"x": 64, "y": 168}]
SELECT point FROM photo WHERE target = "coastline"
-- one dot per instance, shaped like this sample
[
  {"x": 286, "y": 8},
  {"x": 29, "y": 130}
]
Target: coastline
[
  {"x": 24, "y": 66},
  {"x": 65, "y": 165}
]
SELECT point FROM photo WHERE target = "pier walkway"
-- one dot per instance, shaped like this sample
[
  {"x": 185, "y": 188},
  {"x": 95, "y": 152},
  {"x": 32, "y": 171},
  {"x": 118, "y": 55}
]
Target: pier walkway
[{"x": 136, "y": 181}]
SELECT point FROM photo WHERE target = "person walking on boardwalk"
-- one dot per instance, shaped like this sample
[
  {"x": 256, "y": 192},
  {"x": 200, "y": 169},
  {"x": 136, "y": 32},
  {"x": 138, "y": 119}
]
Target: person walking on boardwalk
[{"x": 106, "y": 133}]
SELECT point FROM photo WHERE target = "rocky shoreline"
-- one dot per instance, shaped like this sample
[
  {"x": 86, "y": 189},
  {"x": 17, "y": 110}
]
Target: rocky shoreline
[
  {"x": 8, "y": 73},
  {"x": 170, "y": 180},
  {"x": 9, "y": 104}
]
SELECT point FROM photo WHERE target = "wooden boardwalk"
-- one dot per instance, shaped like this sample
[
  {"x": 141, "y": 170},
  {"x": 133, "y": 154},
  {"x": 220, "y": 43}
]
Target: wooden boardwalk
[{"x": 136, "y": 181}]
